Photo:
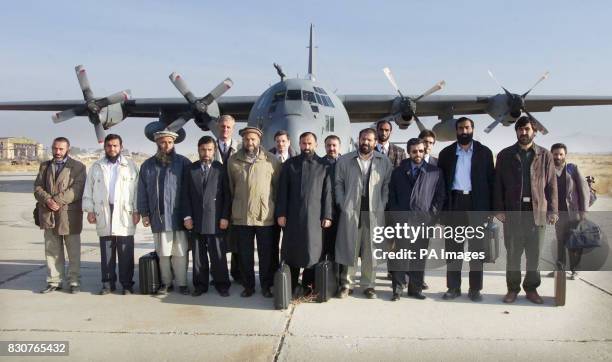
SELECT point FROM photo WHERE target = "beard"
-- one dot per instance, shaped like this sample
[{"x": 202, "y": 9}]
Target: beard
[
  {"x": 309, "y": 154},
  {"x": 365, "y": 149},
  {"x": 559, "y": 163},
  {"x": 112, "y": 159},
  {"x": 163, "y": 157},
  {"x": 525, "y": 139},
  {"x": 250, "y": 151},
  {"x": 465, "y": 138}
]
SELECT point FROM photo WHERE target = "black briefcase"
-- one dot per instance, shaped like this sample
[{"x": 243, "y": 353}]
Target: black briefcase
[
  {"x": 491, "y": 242},
  {"x": 560, "y": 288},
  {"x": 149, "y": 278},
  {"x": 282, "y": 287},
  {"x": 326, "y": 284}
]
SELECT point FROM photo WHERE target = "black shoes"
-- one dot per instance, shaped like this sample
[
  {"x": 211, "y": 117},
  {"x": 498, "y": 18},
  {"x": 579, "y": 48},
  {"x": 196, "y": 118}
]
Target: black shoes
[
  {"x": 474, "y": 295},
  {"x": 107, "y": 288},
  {"x": 370, "y": 293},
  {"x": 164, "y": 289},
  {"x": 451, "y": 293},
  {"x": 224, "y": 293},
  {"x": 395, "y": 297},
  {"x": 417, "y": 294},
  {"x": 127, "y": 291},
  {"x": 50, "y": 288},
  {"x": 425, "y": 286},
  {"x": 74, "y": 289},
  {"x": 266, "y": 293},
  {"x": 198, "y": 291},
  {"x": 247, "y": 293},
  {"x": 342, "y": 293}
]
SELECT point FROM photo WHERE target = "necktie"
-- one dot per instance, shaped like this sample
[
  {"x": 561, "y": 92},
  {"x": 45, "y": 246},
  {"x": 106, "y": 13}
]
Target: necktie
[
  {"x": 223, "y": 147},
  {"x": 205, "y": 173}
]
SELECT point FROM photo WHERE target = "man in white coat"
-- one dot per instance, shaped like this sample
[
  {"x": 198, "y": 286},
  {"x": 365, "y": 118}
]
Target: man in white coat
[
  {"x": 362, "y": 189},
  {"x": 109, "y": 200}
]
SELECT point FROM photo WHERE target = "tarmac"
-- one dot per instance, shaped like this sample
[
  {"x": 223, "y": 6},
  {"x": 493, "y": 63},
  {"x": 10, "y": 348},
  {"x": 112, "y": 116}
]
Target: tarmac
[{"x": 176, "y": 327}]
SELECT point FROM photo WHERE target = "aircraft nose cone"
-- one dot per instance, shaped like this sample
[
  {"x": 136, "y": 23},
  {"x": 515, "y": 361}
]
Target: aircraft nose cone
[{"x": 294, "y": 125}]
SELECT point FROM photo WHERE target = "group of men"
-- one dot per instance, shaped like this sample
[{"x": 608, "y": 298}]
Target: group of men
[{"x": 301, "y": 208}]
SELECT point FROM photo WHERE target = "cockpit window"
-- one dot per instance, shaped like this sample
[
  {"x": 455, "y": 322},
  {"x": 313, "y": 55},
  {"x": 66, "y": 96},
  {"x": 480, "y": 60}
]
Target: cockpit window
[
  {"x": 278, "y": 96},
  {"x": 319, "y": 100},
  {"x": 309, "y": 96},
  {"x": 319, "y": 90},
  {"x": 294, "y": 95}
]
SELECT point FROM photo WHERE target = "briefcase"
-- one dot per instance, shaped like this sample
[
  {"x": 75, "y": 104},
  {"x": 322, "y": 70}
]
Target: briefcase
[
  {"x": 326, "y": 284},
  {"x": 491, "y": 242},
  {"x": 149, "y": 278},
  {"x": 560, "y": 286},
  {"x": 282, "y": 287},
  {"x": 585, "y": 235}
]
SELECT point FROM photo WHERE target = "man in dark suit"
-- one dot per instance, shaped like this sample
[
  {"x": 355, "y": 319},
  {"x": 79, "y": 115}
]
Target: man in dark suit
[
  {"x": 206, "y": 207},
  {"x": 470, "y": 175},
  {"x": 304, "y": 209},
  {"x": 283, "y": 150},
  {"x": 429, "y": 140},
  {"x": 395, "y": 153},
  {"x": 416, "y": 195}
]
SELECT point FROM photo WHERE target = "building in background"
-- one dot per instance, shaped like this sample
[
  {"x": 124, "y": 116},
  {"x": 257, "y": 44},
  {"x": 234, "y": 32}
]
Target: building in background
[{"x": 20, "y": 148}]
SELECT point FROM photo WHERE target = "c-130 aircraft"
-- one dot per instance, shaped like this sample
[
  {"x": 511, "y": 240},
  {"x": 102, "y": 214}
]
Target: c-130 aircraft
[{"x": 299, "y": 105}]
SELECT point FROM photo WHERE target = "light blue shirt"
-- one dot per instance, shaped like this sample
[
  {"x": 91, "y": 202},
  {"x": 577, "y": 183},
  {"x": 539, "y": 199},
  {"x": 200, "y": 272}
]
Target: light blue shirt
[{"x": 463, "y": 169}]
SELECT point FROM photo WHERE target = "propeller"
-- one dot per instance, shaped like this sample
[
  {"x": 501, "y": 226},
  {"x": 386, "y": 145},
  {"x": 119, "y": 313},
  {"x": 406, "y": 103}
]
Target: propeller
[
  {"x": 408, "y": 104},
  {"x": 199, "y": 106},
  {"x": 516, "y": 105},
  {"x": 92, "y": 106}
]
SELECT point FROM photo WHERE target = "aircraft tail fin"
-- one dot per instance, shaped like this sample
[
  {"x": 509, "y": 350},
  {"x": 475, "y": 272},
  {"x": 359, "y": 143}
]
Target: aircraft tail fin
[{"x": 311, "y": 47}]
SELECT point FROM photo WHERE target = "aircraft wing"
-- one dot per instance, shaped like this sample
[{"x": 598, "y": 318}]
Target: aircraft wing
[
  {"x": 239, "y": 107},
  {"x": 368, "y": 108}
]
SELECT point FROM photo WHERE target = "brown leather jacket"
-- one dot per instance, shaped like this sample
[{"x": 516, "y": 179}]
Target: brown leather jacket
[{"x": 508, "y": 183}]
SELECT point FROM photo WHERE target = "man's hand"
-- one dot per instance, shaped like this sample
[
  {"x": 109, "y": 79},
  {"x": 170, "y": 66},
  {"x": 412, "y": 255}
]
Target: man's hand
[
  {"x": 501, "y": 217},
  {"x": 326, "y": 223},
  {"x": 188, "y": 224},
  {"x": 552, "y": 219},
  {"x": 281, "y": 221},
  {"x": 145, "y": 221},
  {"x": 51, "y": 204},
  {"x": 135, "y": 218},
  {"x": 223, "y": 224},
  {"x": 91, "y": 217}
]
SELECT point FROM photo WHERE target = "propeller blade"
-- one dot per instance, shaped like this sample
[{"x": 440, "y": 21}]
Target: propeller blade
[
  {"x": 441, "y": 84},
  {"x": 218, "y": 91},
  {"x": 499, "y": 84},
  {"x": 84, "y": 82},
  {"x": 543, "y": 77},
  {"x": 539, "y": 125},
  {"x": 389, "y": 76},
  {"x": 419, "y": 124},
  {"x": 181, "y": 85},
  {"x": 64, "y": 115},
  {"x": 100, "y": 133},
  {"x": 177, "y": 124},
  {"x": 491, "y": 126},
  {"x": 114, "y": 98}
]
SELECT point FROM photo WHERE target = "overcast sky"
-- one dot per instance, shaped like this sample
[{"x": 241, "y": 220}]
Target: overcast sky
[{"x": 136, "y": 44}]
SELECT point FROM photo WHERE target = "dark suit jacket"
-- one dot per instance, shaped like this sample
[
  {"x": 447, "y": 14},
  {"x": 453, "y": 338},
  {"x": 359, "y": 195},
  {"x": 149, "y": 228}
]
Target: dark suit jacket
[
  {"x": 425, "y": 195},
  {"x": 206, "y": 201},
  {"x": 482, "y": 175},
  {"x": 396, "y": 154},
  {"x": 433, "y": 160}
]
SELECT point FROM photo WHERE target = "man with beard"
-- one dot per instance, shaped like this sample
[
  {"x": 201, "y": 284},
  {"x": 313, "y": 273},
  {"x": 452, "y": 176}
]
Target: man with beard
[
  {"x": 303, "y": 208},
  {"x": 253, "y": 177},
  {"x": 205, "y": 206},
  {"x": 395, "y": 153},
  {"x": 573, "y": 195},
  {"x": 110, "y": 202},
  {"x": 362, "y": 189},
  {"x": 58, "y": 190},
  {"x": 159, "y": 192},
  {"x": 226, "y": 147},
  {"x": 416, "y": 196},
  {"x": 470, "y": 175},
  {"x": 429, "y": 140},
  {"x": 525, "y": 200},
  {"x": 332, "y": 152}
]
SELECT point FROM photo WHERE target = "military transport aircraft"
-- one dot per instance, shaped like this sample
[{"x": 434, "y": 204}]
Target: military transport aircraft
[{"x": 298, "y": 105}]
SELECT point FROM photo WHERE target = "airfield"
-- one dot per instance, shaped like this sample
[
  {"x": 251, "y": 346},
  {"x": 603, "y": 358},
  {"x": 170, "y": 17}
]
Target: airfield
[{"x": 177, "y": 327}]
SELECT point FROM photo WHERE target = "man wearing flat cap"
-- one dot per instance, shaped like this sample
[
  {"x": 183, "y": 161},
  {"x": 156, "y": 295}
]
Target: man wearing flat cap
[
  {"x": 253, "y": 176},
  {"x": 159, "y": 191}
]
